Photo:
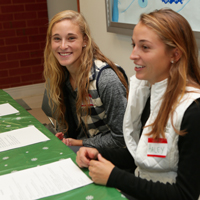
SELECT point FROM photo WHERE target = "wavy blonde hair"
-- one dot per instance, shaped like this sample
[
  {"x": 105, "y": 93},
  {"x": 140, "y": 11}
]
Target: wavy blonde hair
[
  {"x": 54, "y": 72},
  {"x": 174, "y": 30}
]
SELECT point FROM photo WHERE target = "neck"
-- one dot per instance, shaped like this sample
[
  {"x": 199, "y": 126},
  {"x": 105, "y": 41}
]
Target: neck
[
  {"x": 72, "y": 79},
  {"x": 72, "y": 76}
]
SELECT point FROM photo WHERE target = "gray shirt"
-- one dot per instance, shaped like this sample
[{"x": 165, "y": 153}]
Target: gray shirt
[{"x": 113, "y": 96}]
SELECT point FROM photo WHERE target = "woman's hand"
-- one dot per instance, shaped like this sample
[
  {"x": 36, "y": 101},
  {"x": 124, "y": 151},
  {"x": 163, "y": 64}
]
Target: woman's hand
[
  {"x": 85, "y": 155},
  {"x": 100, "y": 170},
  {"x": 72, "y": 142},
  {"x": 60, "y": 135}
]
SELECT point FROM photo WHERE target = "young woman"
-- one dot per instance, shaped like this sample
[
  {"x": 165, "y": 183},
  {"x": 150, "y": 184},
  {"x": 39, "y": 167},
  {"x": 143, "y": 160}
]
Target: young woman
[
  {"x": 87, "y": 92},
  {"x": 161, "y": 123}
]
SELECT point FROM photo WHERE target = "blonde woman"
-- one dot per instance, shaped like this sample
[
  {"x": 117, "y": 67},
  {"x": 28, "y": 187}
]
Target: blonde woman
[
  {"x": 161, "y": 122},
  {"x": 87, "y": 92}
]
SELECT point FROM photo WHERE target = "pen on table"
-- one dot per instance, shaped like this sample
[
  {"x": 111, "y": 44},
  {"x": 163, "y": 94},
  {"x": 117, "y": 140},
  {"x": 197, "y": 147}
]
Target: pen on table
[{"x": 51, "y": 122}]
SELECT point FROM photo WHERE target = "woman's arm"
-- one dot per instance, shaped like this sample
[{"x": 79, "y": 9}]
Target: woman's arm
[
  {"x": 187, "y": 186},
  {"x": 120, "y": 157},
  {"x": 113, "y": 96}
]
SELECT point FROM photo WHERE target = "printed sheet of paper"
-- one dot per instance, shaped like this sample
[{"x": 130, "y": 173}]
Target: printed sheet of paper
[
  {"x": 42, "y": 181},
  {"x": 21, "y": 137},
  {"x": 7, "y": 109}
]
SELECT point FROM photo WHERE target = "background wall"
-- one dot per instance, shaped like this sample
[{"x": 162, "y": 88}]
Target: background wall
[
  {"x": 56, "y": 6},
  {"x": 23, "y": 25},
  {"x": 115, "y": 46}
]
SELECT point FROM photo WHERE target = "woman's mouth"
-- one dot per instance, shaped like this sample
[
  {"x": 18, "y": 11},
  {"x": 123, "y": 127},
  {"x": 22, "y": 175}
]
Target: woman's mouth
[
  {"x": 139, "y": 66},
  {"x": 64, "y": 54}
]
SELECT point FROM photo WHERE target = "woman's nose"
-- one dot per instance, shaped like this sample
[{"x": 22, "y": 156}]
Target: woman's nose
[
  {"x": 64, "y": 44},
  {"x": 134, "y": 55}
]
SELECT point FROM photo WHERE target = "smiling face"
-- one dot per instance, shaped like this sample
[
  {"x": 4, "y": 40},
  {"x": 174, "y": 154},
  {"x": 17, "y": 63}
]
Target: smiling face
[
  {"x": 67, "y": 44},
  {"x": 150, "y": 55}
]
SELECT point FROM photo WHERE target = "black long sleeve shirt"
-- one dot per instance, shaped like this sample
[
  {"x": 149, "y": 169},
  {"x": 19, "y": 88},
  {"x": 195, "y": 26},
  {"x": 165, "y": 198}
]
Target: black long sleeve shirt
[{"x": 187, "y": 186}]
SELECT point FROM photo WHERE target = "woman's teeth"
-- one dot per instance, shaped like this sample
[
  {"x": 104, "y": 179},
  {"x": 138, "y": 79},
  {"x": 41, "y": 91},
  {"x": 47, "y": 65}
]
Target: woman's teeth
[
  {"x": 138, "y": 66},
  {"x": 65, "y": 54}
]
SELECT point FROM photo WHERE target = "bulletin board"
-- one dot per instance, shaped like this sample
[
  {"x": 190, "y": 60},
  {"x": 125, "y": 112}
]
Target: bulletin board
[{"x": 122, "y": 15}]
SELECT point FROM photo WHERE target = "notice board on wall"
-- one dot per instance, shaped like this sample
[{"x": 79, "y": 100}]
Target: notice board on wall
[{"x": 128, "y": 11}]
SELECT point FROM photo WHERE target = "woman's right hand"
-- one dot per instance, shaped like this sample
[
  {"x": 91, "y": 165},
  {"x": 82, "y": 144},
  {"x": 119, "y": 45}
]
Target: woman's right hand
[
  {"x": 85, "y": 155},
  {"x": 60, "y": 135}
]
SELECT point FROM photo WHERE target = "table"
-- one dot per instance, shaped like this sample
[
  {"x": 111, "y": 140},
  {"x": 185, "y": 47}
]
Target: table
[{"x": 44, "y": 153}]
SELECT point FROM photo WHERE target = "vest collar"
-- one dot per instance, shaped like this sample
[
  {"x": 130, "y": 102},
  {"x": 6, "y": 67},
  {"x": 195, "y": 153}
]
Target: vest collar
[{"x": 157, "y": 91}]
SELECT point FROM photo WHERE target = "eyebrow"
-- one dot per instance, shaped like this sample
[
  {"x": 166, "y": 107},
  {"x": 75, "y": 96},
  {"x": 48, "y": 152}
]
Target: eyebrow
[
  {"x": 59, "y": 35},
  {"x": 143, "y": 40}
]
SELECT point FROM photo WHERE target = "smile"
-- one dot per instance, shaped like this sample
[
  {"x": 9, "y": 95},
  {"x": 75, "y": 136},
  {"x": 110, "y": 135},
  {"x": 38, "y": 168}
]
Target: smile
[
  {"x": 64, "y": 54},
  {"x": 139, "y": 66}
]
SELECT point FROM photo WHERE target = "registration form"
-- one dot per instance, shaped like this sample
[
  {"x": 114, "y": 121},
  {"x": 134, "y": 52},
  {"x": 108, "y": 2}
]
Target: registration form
[
  {"x": 42, "y": 181},
  {"x": 7, "y": 109},
  {"x": 21, "y": 137}
]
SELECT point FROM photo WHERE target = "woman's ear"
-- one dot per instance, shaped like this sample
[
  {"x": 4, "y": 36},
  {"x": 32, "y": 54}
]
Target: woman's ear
[
  {"x": 85, "y": 41},
  {"x": 176, "y": 55}
]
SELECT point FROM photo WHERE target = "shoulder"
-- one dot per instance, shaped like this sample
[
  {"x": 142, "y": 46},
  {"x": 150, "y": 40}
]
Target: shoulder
[
  {"x": 193, "y": 109},
  {"x": 100, "y": 64},
  {"x": 192, "y": 115},
  {"x": 107, "y": 75}
]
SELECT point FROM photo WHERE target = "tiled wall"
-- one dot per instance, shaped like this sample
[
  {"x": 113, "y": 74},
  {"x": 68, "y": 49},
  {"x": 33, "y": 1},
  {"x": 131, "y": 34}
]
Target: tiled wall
[{"x": 23, "y": 25}]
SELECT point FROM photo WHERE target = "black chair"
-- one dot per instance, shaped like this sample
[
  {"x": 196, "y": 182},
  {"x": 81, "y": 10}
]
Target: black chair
[{"x": 47, "y": 110}]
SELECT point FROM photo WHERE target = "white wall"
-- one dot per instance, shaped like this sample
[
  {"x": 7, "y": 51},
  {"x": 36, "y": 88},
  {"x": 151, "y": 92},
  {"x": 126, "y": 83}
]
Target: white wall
[
  {"x": 56, "y": 6},
  {"x": 116, "y": 47}
]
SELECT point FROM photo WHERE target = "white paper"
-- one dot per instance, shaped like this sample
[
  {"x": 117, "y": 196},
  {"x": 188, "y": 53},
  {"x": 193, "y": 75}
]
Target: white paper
[
  {"x": 42, "y": 181},
  {"x": 7, "y": 109},
  {"x": 21, "y": 137}
]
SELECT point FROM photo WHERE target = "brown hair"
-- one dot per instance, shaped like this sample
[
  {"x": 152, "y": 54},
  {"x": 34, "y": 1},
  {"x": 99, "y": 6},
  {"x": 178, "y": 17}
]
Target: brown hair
[
  {"x": 54, "y": 72},
  {"x": 174, "y": 30}
]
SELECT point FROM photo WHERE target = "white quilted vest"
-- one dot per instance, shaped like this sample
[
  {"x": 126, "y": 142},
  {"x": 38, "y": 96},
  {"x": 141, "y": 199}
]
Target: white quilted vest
[{"x": 153, "y": 168}]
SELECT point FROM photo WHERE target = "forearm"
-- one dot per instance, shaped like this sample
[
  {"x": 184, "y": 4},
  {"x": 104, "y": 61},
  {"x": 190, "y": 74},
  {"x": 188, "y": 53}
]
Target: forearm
[
  {"x": 104, "y": 140},
  {"x": 120, "y": 157},
  {"x": 143, "y": 189}
]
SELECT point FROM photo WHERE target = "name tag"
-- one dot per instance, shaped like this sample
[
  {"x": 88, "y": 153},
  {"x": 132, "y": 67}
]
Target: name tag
[
  {"x": 157, "y": 148},
  {"x": 90, "y": 101}
]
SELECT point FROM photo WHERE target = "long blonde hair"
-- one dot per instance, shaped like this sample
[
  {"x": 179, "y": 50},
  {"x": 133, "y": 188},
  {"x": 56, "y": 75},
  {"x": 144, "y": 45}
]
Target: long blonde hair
[
  {"x": 54, "y": 72},
  {"x": 174, "y": 30}
]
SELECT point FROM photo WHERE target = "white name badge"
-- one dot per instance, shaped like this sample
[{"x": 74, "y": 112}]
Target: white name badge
[{"x": 157, "y": 148}]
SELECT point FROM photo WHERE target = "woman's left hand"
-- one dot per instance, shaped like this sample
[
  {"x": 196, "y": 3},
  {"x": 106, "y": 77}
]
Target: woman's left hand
[
  {"x": 100, "y": 170},
  {"x": 72, "y": 142}
]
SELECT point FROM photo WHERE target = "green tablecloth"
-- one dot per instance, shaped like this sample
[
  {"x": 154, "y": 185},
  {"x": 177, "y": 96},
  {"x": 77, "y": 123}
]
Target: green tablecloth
[{"x": 43, "y": 153}]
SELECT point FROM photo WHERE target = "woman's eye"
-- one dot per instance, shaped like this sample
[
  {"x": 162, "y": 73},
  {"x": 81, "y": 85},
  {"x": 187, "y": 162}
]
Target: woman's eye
[
  {"x": 56, "y": 39},
  {"x": 145, "y": 47},
  {"x": 133, "y": 45},
  {"x": 71, "y": 38}
]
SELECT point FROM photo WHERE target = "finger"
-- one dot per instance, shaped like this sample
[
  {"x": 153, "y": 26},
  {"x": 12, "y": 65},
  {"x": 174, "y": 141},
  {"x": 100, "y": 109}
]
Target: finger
[
  {"x": 93, "y": 165},
  {"x": 69, "y": 142},
  {"x": 80, "y": 162},
  {"x": 59, "y": 135},
  {"x": 90, "y": 174},
  {"x": 101, "y": 158},
  {"x": 93, "y": 153},
  {"x": 64, "y": 140},
  {"x": 81, "y": 159}
]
